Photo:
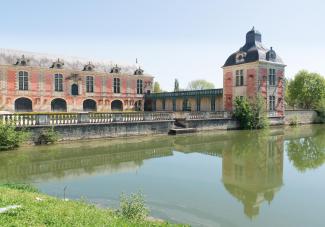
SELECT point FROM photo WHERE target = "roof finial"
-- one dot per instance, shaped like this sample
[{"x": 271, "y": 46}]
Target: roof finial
[{"x": 253, "y": 29}]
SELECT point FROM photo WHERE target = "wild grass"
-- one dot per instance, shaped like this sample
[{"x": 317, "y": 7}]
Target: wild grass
[{"x": 42, "y": 210}]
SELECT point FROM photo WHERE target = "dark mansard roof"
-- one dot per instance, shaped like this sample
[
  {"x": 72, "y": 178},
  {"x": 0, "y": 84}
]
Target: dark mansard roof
[{"x": 252, "y": 51}]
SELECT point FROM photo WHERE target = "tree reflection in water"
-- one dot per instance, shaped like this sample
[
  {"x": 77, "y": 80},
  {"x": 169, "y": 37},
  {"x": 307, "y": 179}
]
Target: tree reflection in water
[{"x": 307, "y": 153}]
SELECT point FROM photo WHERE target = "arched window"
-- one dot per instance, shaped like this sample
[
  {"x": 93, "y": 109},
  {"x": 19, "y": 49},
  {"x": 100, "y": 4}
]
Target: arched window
[
  {"x": 89, "y": 84},
  {"x": 117, "y": 85},
  {"x": 74, "y": 89},
  {"x": 23, "y": 105},
  {"x": 59, "y": 105},
  {"x": 117, "y": 105},
  {"x": 139, "y": 87},
  {"x": 89, "y": 105},
  {"x": 23, "y": 80},
  {"x": 58, "y": 82}
]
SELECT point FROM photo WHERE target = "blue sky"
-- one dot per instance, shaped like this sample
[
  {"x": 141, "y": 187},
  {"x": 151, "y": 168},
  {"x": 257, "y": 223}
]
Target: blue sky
[{"x": 184, "y": 39}]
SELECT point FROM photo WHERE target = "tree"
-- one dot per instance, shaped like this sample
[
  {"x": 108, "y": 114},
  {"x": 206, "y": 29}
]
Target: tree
[
  {"x": 306, "y": 90},
  {"x": 251, "y": 114},
  {"x": 176, "y": 85},
  {"x": 156, "y": 87},
  {"x": 200, "y": 85}
]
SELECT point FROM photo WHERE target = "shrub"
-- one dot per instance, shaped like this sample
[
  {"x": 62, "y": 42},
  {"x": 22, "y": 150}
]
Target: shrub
[
  {"x": 293, "y": 121},
  {"x": 48, "y": 136},
  {"x": 133, "y": 207},
  {"x": 251, "y": 115},
  {"x": 10, "y": 137}
]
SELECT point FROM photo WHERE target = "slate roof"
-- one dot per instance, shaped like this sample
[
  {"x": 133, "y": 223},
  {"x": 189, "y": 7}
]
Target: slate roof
[
  {"x": 9, "y": 57},
  {"x": 252, "y": 51}
]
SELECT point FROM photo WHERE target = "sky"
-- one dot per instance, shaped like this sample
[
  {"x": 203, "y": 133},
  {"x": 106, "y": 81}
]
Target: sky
[{"x": 183, "y": 39}]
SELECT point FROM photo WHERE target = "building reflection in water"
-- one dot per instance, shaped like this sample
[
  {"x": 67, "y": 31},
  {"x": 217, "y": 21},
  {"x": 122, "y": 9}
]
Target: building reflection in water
[
  {"x": 54, "y": 162},
  {"x": 252, "y": 171}
]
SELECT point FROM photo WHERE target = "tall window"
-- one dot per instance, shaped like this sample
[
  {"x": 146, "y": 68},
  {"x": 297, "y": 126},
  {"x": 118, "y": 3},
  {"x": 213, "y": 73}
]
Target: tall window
[
  {"x": 239, "y": 77},
  {"x": 23, "y": 80},
  {"x": 213, "y": 104},
  {"x": 139, "y": 87},
  {"x": 272, "y": 102},
  {"x": 117, "y": 85},
  {"x": 174, "y": 104},
  {"x": 198, "y": 104},
  {"x": 163, "y": 104},
  {"x": 89, "y": 84},
  {"x": 272, "y": 77},
  {"x": 58, "y": 82}
]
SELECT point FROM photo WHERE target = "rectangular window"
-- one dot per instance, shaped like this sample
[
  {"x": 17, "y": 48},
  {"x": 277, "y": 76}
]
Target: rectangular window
[
  {"x": 163, "y": 104},
  {"x": 240, "y": 77},
  {"x": 272, "y": 78},
  {"x": 174, "y": 104},
  {"x": 139, "y": 87},
  {"x": 272, "y": 102},
  {"x": 117, "y": 85},
  {"x": 23, "y": 81},
  {"x": 89, "y": 84},
  {"x": 213, "y": 104},
  {"x": 198, "y": 104},
  {"x": 58, "y": 82}
]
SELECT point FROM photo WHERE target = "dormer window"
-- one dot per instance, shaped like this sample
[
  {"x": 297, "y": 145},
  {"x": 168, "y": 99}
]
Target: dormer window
[
  {"x": 115, "y": 69},
  {"x": 271, "y": 55},
  {"x": 22, "y": 61},
  {"x": 138, "y": 71},
  {"x": 58, "y": 64},
  {"x": 89, "y": 67},
  {"x": 240, "y": 57}
]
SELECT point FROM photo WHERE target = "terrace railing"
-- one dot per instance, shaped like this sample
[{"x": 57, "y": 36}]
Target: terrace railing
[
  {"x": 52, "y": 119},
  {"x": 36, "y": 119}
]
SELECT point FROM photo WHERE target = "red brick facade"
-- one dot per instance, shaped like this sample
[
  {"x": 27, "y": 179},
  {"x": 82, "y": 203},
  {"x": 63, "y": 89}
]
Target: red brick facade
[{"x": 43, "y": 96}]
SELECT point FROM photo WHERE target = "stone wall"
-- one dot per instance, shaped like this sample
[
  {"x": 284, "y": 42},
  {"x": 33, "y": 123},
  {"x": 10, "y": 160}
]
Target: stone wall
[
  {"x": 115, "y": 129},
  {"x": 212, "y": 124},
  {"x": 301, "y": 116}
]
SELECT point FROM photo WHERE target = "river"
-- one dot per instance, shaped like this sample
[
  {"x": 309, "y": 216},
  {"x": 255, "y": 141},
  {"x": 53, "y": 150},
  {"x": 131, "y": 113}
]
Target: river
[{"x": 225, "y": 178}]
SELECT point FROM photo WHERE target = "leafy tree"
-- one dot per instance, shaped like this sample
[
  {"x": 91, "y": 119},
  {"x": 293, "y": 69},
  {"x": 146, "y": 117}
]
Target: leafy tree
[
  {"x": 306, "y": 90},
  {"x": 251, "y": 114},
  {"x": 156, "y": 87},
  {"x": 200, "y": 85},
  {"x": 176, "y": 85}
]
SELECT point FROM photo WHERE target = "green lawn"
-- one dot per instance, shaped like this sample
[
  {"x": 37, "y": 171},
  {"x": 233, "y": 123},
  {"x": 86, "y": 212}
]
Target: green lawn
[{"x": 41, "y": 210}]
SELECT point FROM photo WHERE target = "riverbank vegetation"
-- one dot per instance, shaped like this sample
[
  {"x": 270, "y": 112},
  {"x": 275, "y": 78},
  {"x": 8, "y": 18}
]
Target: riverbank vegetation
[
  {"x": 36, "y": 209},
  {"x": 10, "y": 137},
  {"x": 251, "y": 114}
]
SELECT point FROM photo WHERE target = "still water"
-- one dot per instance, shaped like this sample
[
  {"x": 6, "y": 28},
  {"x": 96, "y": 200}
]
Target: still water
[{"x": 225, "y": 178}]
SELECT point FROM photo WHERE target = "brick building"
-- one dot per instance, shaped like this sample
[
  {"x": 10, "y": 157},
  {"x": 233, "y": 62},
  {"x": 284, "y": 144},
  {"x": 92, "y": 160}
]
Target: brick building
[
  {"x": 39, "y": 83},
  {"x": 254, "y": 69}
]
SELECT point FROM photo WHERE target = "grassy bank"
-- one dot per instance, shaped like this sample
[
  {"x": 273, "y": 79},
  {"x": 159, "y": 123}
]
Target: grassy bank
[{"x": 41, "y": 210}]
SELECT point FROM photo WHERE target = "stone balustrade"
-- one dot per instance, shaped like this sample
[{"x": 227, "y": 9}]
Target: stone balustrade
[
  {"x": 35, "y": 119},
  {"x": 202, "y": 115}
]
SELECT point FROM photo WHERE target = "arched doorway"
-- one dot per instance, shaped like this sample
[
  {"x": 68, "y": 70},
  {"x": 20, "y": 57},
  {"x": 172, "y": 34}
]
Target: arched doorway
[
  {"x": 138, "y": 105},
  {"x": 89, "y": 105},
  {"x": 74, "y": 89},
  {"x": 59, "y": 105},
  {"x": 117, "y": 105},
  {"x": 23, "y": 105}
]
